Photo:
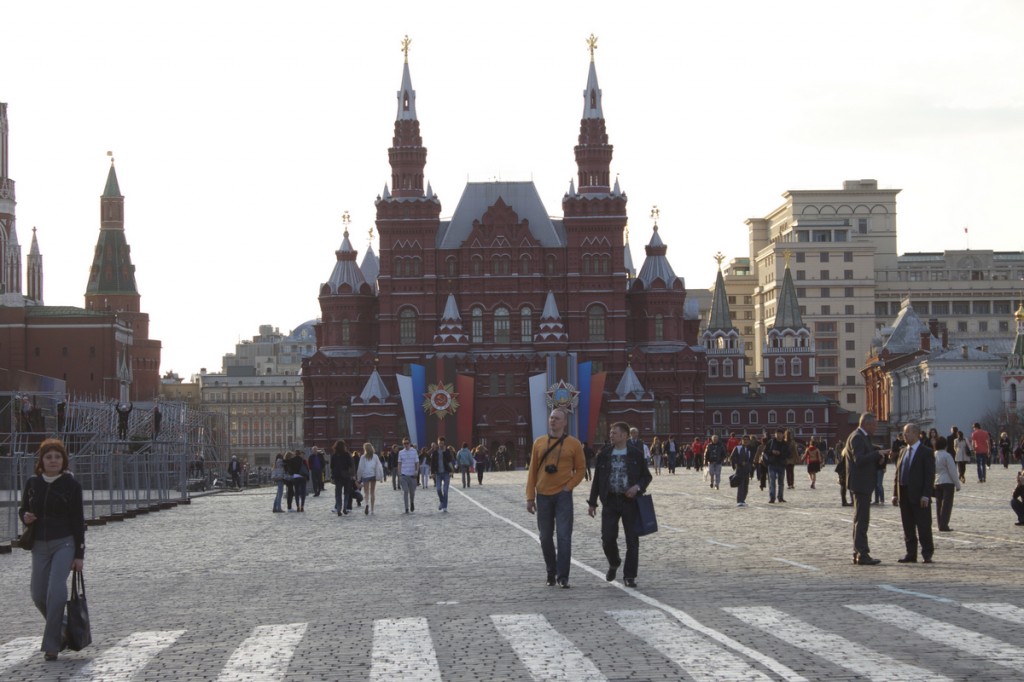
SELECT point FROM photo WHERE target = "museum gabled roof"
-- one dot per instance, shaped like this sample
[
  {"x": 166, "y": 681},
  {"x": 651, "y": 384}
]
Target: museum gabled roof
[
  {"x": 522, "y": 197},
  {"x": 905, "y": 334},
  {"x": 345, "y": 270},
  {"x": 656, "y": 266},
  {"x": 629, "y": 385}
]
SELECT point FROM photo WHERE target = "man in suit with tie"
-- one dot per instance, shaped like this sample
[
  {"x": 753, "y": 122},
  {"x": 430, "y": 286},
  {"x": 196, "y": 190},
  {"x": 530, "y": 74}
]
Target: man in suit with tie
[
  {"x": 915, "y": 480},
  {"x": 862, "y": 463}
]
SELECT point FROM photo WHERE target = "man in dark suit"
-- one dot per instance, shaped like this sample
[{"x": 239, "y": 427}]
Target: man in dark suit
[
  {"x": 915, "y": 481},
  {"x": 862, "y": 462}
]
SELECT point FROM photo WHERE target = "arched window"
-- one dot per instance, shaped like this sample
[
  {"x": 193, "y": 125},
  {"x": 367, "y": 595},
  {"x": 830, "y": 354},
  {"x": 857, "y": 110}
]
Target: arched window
[
  {"x": 476, "y": 325},
  {"x": 752, "y": 417},
  {"x": 477, "y": 265},
  {"x": 586, "y": 264},
  {"x": 524, "y": 265},
  {"x": 595, "y": 323},
  {"x": 396, "y": 266},
  {"x": 713, "y": 368},
  {"x": 345, "y": 331},
  {"x": 501, "y": 326},
  {"x": 773, "y": 418},
  {"x": 808, "y": 416},
  {"x": 550, "y": 264},
  {"x": 734, "y": 418},
  {"x": 780, "y": 367},
  {"x": 452, "y": 266},
  {"x": 526, "y": 324},
  {"x": 790, "y": 417},
  {"x": 407, "y": 326},
  {"x": 659, "y": 327},
  {"x": 727, "y": 367},
  {"x": 796, "y": 367},
  {"x": 716, "y": 417}
]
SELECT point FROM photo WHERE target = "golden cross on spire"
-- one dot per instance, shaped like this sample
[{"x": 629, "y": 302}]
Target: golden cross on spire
[
  {"x": 345, "y": 220},
  {"x": 405, "y": 47},
  {"x": 719, "y": 257},
  {"x": 627, "y": 233},
  {"x": 655, "y": 214},
  {"x": 371, "y": 236},
  {"x": 592, "y": 45},
  {"x": 111, "y": 155},
  {"x": 787, "y": 254}
]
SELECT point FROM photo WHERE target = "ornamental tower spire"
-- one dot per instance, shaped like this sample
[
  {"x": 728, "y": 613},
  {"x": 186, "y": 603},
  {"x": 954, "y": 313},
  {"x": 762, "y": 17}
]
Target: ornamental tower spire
[
  {"x": 8, "y": 236},
  {"x": 407, "y": 155},
  {"x": 112, "y": 276},
  {"x": 593, "y": 153},
  {"x": 34, "y": 271}
]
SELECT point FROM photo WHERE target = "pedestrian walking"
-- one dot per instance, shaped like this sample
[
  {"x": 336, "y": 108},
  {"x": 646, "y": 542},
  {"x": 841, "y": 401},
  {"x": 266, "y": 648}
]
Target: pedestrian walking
[
  {"x": 791, "y": 459},
  {"x": 464, "y": 460},
  {"x": 341, "y": 475},
  {"x": 1017, "y": 499},
  {"x": 235, "y": 472},
  {"x": 424, "y": 468},
  {"x": 673, "y": 454},
  {"x": 442, "y": 464},
  {"x": 961, "y": 453},
  {"x": 556, "y": 467},
  {"x": 657, "y": 452},
  {"x": 277, "y": 476},
  {"x": 946, "y": 482},
  {"x": 51, "y": 508},
  {"x": 714, "y": 455},
  {"x": 981, "y": 443},
  {"x": 408, "y": 460},
  {"x": 1004, "y": 447},
  {"x": 742, "y": 460},
  {"x": 317, "y": 462},
  {"x": 370, "y": 470},
  {"x": 480, "y": 460},
  {"x": 813, "y": 458},
  {"x": 620, "y": 474},
  {"x": 776, "y": 454}
]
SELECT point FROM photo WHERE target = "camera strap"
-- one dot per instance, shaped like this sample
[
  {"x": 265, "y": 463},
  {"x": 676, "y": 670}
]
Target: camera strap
[{"x": 551, "y": 447}]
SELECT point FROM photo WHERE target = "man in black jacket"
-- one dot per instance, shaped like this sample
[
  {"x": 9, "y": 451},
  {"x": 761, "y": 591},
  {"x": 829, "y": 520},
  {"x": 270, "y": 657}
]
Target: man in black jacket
[
  {"x": 620, "y": 474},
  {"x": 341, "y": 474},
  {"x": 913, "y": 492}
]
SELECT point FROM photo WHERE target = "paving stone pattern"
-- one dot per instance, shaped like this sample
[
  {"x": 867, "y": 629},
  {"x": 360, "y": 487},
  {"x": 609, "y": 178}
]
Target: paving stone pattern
[{"x": 224, "y": 589}]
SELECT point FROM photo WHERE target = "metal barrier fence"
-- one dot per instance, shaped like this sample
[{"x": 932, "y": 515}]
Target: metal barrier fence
[{"x": 120, "y": 474}]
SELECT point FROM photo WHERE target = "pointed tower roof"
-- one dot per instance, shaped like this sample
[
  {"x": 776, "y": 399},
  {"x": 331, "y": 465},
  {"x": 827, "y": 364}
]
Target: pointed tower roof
[
  {"x": 406, "y": 95},
  {"x": 12, "y": 237},
  {"x": 551, "y": 327},
  {"x": 656, "y": 265},
  {"x": 375, "y": 390},
  {"x": 629, "y": 385},
  {"x": 719, "y": 318},
  {"x": 112, "y": 189},
  {"x": 370, "y": 266},
  {"x": 34, "y": 249},
  {"x": 112, "y": 272},
  {"x": 788, "y": 314},
  {"x": 592, "y": 95},
  {"x": 627, "y": 256},
  {"x": 450, "y": 331},
  {"x": 905, "y": 334},
  {"x": 345, "y": 270}
]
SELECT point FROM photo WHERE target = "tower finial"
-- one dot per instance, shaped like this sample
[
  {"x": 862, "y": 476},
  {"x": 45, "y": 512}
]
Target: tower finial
[
  {"x": 787, "y": 254},
  {"x": 345, "y": 220},
  {"x": 371, "y": 236},
  {"x": 627, "y": 232},
  {"x": 655, "y": 214},
  {"x": 592, "y": 45},
  {"x": 719, "y": 257},
  {"x": 405, "y": 47},
  {"x": 111, "y": 155}
]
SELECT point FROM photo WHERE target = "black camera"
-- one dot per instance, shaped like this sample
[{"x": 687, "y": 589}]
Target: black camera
[{"x": 551, "y": 468}]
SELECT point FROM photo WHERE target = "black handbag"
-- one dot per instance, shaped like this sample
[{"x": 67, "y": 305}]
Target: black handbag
[
  {"x": 79, "y": 631},
  {"x": 735, "y": 478},
  {"x": 646, "y": 521},
  {"x": 27, "y": 537}
]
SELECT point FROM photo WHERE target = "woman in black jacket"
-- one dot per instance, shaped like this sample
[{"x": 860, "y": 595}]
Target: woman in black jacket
[{"x": 52, "y": 507}]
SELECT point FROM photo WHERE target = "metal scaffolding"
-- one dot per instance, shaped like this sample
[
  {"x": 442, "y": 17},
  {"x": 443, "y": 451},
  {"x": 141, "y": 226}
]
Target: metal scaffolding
[{"x": 120, "y": 476}]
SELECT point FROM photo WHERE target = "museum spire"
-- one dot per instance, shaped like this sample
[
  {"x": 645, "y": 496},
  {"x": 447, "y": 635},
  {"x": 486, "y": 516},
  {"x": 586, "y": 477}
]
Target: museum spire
[
  {"x": 407, "y": 155},
  {"x": 593, "y": 153}
]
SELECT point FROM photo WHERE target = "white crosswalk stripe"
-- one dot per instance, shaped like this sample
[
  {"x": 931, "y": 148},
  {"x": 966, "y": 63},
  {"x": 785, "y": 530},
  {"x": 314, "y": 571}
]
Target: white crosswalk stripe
[
  {"x": 123, "y": 660},
  {"x": 953, "y": 636},
  {"x": 264, "y": 656},
  {"x": 701, "y": 658},
  {"x": 17, "y": 650},
  {"x": 833, "y": 648},
  {"x": 557, "y": 659},
  {"x": 403, "y": 650},
  {"x": 1008, "y": 612}
]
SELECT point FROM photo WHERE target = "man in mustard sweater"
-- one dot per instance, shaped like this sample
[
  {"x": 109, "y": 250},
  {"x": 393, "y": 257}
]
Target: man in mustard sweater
[{"x": 557, "y": 465}]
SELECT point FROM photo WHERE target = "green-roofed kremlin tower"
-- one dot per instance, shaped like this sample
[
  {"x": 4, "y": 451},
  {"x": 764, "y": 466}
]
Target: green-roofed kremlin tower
[{"x": 111, "y": 288}]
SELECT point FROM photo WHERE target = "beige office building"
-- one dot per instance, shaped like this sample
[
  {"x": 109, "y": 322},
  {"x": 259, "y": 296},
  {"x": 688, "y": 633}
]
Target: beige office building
[{"x": 841, "y": 248}]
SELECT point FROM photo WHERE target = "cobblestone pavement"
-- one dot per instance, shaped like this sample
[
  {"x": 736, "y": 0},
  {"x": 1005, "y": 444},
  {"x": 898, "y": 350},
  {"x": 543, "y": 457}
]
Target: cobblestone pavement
[{"x": 224, "y": 589}]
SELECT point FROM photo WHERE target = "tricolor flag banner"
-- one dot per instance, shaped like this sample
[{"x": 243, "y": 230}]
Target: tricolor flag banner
[{"x": 412, "y": 388}]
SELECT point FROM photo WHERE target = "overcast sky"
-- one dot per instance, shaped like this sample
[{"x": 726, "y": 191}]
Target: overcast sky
[{"x": 243, "y": 130}]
